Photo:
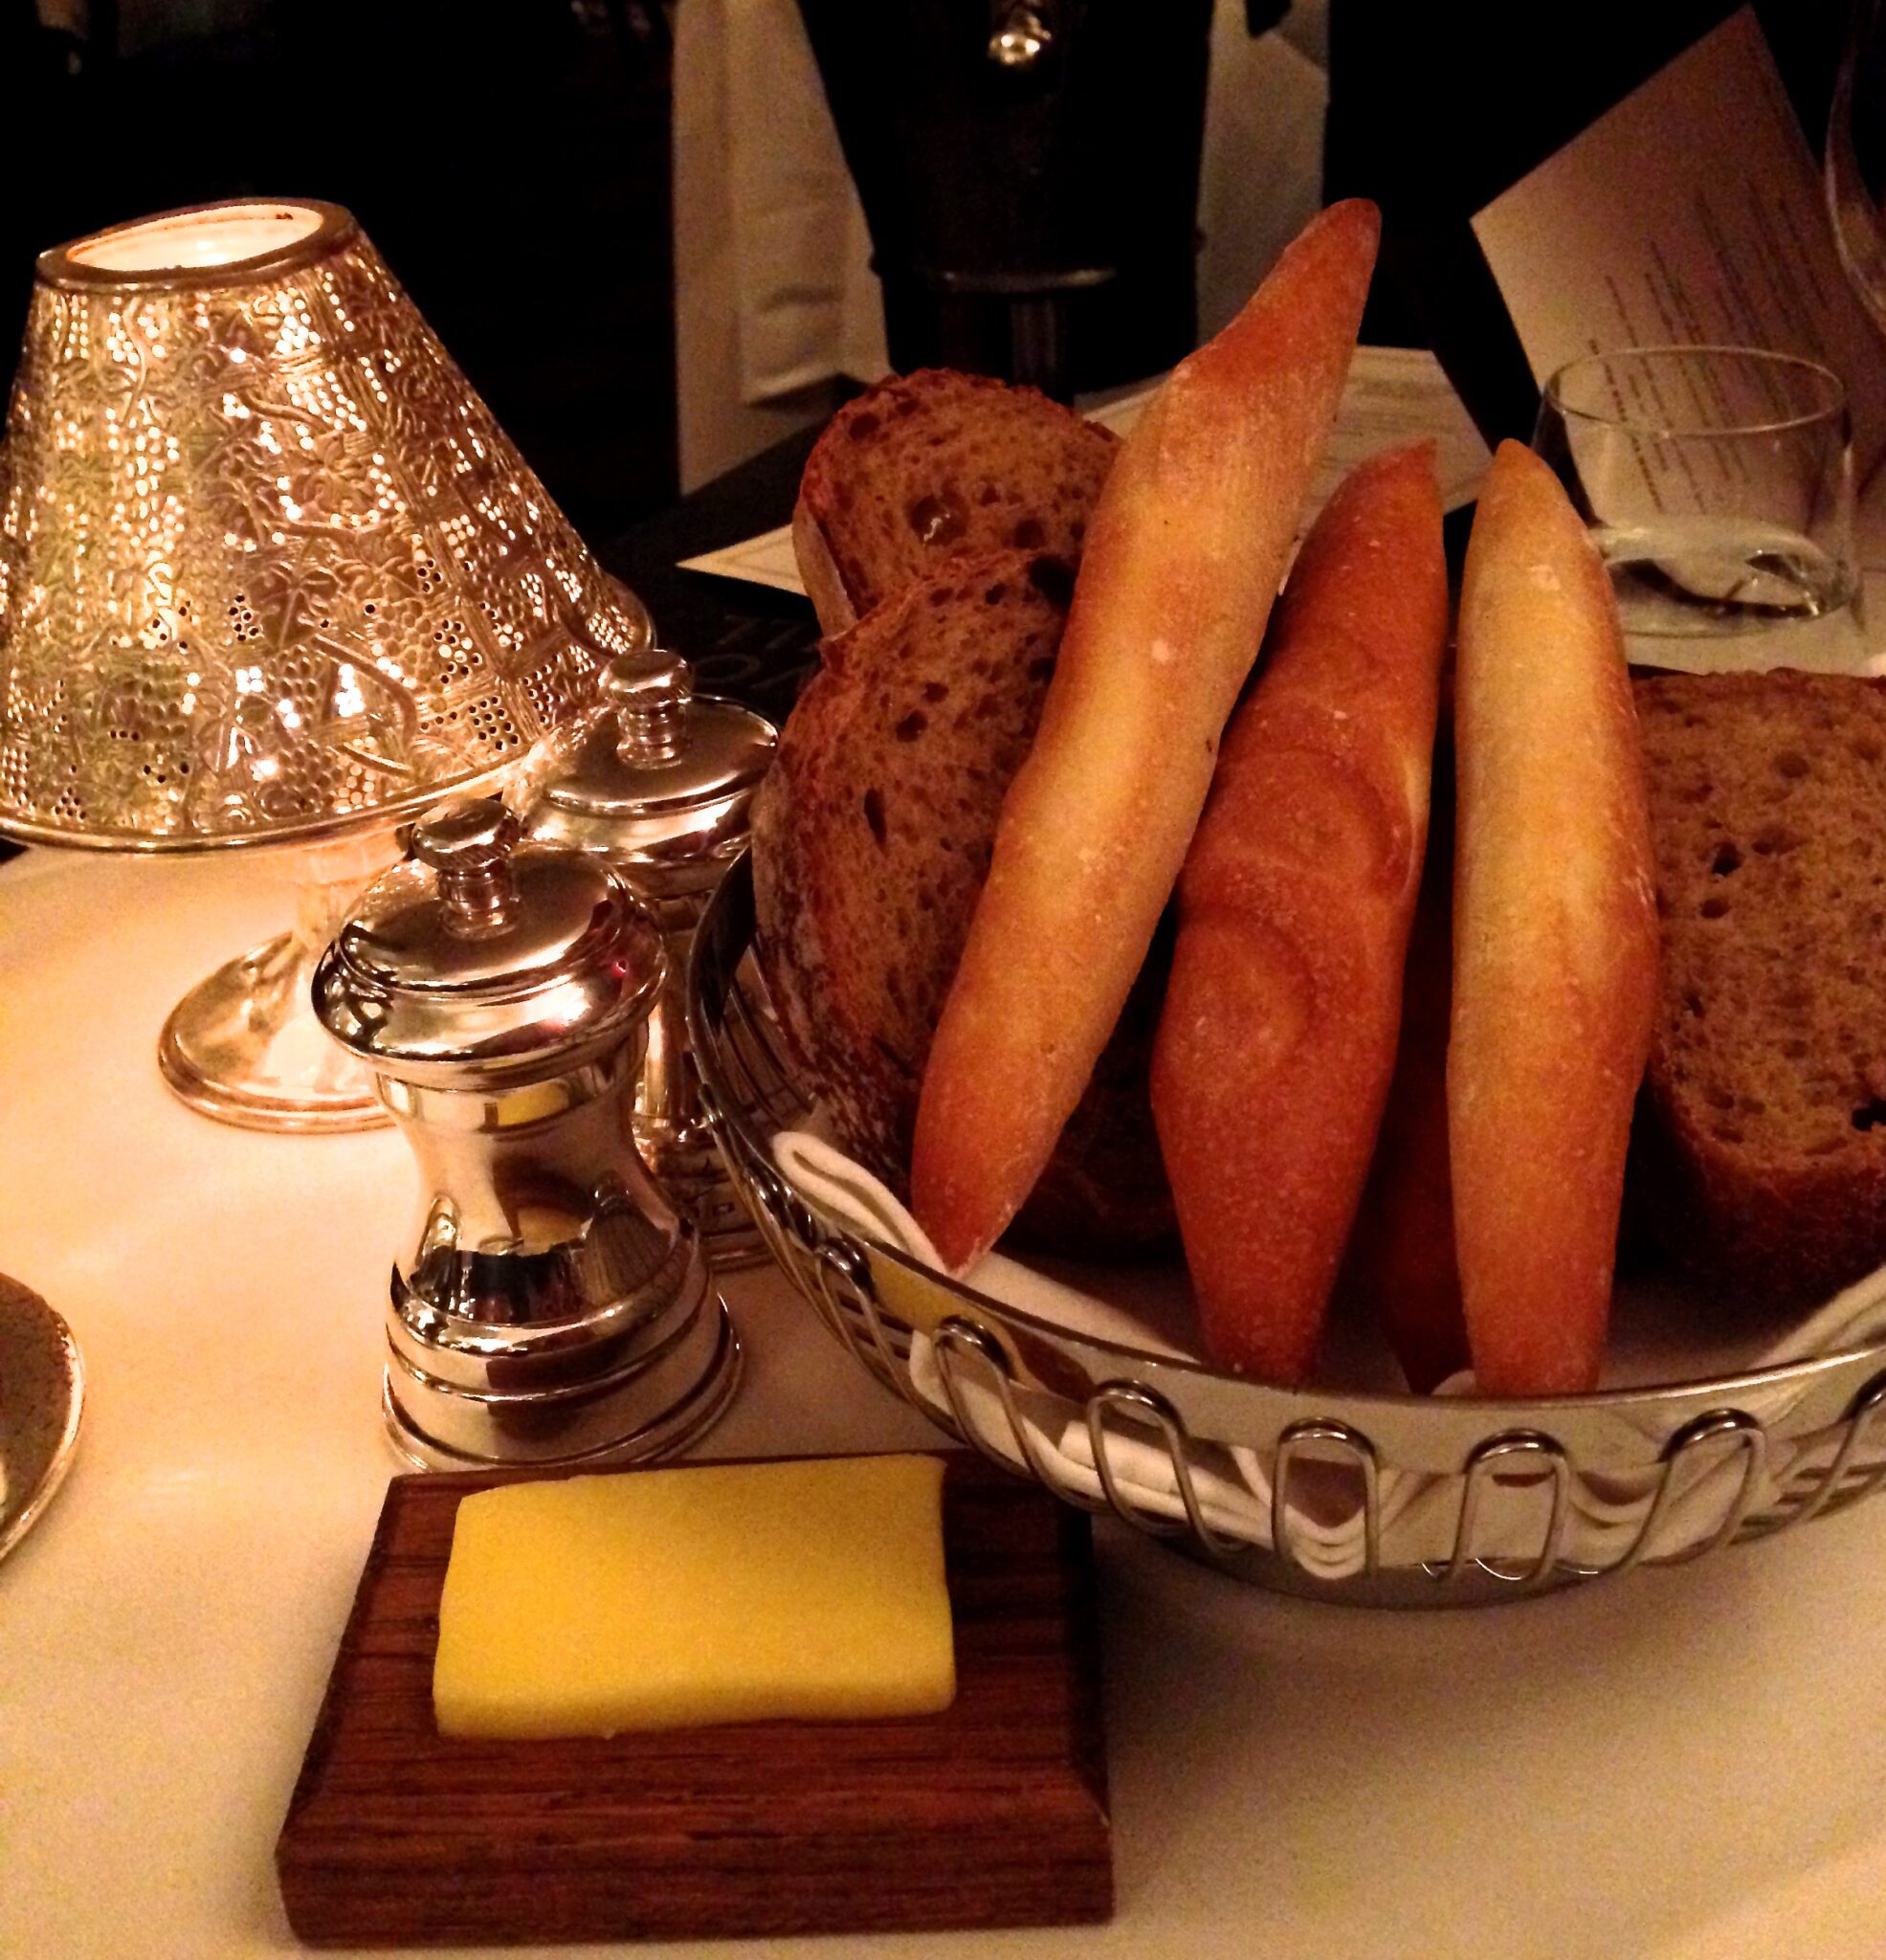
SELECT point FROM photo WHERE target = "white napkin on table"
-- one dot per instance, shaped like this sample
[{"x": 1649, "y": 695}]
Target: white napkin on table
[{"x": 1417, "y": 1513}]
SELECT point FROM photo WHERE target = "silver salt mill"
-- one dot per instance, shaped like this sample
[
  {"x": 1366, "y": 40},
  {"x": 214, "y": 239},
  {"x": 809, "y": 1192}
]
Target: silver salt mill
[
  {"x": 554, "y": 1306},
  {"x": 661, "y": 787}
]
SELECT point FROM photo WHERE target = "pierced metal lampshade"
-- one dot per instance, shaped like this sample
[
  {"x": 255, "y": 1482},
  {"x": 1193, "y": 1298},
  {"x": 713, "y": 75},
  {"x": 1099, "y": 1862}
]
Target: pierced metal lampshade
[{"x": 269, "y": 574}]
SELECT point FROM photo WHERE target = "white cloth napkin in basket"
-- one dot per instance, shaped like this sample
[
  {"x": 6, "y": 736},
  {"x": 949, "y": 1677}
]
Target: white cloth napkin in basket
[{"x": 1418, "y": 1513}]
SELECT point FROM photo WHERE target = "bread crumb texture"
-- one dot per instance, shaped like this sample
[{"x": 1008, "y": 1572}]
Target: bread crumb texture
[{"x": 1763, "y": 1132}]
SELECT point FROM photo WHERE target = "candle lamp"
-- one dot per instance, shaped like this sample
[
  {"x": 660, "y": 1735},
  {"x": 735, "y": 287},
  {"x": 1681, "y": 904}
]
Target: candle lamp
[{"x": 270, "y": 575}]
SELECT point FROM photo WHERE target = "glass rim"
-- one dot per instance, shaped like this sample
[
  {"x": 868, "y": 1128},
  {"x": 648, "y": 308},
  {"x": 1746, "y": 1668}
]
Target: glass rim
[{"x": 1676, "y": 431}]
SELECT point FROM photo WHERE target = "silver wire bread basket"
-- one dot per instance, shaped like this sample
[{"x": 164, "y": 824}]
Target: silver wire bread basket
[{"x": 1385, "y": 1500}]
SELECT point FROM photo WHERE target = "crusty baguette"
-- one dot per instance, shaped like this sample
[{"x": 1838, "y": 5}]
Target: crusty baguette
[
  {"x": 929, "y": 467},
  {"x": 1282, "y": 1015},
  {"x": 1184, "y": 557},
  {"x": 1401, "y": 1264},
  {"x": 871, "y": 835},
  {"x": 1555, "y": 937}
]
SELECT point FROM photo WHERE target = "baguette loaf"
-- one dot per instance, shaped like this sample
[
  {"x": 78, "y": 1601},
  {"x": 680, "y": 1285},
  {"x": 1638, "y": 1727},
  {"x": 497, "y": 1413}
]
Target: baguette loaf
[
  {"x": 932, "y": 466},
  {"x": 1761, "y": 1146},
  {"x": 1282, "y": 1018},
  {"x": 1555, "y": 938},
  {"x": 1183, "y": 558},
  {"x": 871, "y": 838},
  {"x": 1401, "y": 1258}
]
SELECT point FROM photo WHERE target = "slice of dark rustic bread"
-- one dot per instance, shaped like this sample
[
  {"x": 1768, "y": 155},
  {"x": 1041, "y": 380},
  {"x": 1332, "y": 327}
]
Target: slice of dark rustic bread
[
  {"x": 872, "y": 836},
  {"x": 935, "y": 465},
  {"x": 1761, "y": 1136}
]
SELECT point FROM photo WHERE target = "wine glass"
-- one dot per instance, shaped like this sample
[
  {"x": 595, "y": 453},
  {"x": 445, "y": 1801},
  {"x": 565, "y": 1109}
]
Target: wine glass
[{"x": 1856, "y": 157}]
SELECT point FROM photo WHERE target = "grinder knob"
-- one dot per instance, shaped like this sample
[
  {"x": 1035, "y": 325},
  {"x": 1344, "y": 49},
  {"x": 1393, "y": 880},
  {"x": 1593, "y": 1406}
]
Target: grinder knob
[
  {"x": 469, "y": 843},
  {"x": 649, "y": 693}
]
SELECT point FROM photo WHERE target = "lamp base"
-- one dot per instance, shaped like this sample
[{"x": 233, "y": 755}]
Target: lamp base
[{"x": 244, "y": 1045}]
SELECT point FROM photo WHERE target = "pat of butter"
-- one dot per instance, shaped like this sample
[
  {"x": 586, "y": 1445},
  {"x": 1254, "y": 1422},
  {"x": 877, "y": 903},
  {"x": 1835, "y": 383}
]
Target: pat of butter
[{"x": 671, "y": 1598}]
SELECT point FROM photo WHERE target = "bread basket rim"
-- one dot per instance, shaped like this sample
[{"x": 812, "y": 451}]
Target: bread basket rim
[{"x": 722, "y": 938}]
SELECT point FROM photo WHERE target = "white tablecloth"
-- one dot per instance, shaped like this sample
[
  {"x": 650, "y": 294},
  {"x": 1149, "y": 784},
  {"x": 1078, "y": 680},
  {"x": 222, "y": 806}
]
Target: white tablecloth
[{"x": 1677, "y": 1765}]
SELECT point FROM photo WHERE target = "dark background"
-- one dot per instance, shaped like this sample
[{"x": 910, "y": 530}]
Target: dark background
[
  {"x": 1436, "y": 108},
  {"x": 510, "y": 159}
]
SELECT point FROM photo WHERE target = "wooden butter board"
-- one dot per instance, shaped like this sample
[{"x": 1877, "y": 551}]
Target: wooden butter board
[{"x": 991, "y": 1814}]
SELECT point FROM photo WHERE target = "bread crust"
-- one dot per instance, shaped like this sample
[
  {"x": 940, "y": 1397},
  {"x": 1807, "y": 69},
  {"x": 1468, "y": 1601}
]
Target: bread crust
[
  {"x": 1555, "y": 938},
  {"x": 1183, "y": 558},
  {"x": 819, "y": 574},
  {"x": 1282, "y": 1016}
]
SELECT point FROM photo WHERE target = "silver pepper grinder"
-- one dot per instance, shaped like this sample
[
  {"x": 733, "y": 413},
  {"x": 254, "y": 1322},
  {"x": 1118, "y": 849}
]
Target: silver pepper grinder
[
  {"x": 554, "y": 1306},
  {"x": 661, "y": 787}
]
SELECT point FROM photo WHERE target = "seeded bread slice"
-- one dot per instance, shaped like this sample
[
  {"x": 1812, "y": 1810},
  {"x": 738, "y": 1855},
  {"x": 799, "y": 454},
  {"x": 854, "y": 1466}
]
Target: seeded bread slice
[
  {"x": 1761, "y": 1134},
  {"x": 871, "y": 839},
  {"x": 936, "y": 465}
]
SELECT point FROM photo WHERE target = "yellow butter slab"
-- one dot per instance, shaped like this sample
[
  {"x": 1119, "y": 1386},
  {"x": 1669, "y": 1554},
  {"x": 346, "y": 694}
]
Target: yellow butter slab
[{"x": 672, "y": 1598}]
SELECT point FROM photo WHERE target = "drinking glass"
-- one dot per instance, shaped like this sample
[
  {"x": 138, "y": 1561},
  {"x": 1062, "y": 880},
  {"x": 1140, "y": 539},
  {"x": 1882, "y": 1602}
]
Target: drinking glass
[{"x": 1719, "y": 487}]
